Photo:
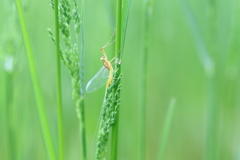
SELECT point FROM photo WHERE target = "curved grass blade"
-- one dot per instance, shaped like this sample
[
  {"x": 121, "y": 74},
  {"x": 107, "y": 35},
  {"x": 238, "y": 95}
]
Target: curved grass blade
[{"x": 45, "y": 129}]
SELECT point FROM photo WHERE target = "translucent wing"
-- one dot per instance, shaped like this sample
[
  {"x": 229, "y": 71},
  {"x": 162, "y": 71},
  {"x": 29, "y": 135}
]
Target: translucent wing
[{"x": 98, "y": 80}]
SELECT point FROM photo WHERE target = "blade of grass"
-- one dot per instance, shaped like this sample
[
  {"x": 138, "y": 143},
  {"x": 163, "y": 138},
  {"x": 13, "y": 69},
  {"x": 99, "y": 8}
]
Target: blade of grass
[
  {"x": 147, "y": 11},
  {"x": 203, "y": 53},
  {"x": 82, "y": 104},
  {"x": 3, "y": 112},
  {"x": 114, "y": 144},
  {"x": 125, "y": 10},
  {"x": 208, "y": 65},
  {"x": 36, "y": 85},
  {"x": 166, "y": 129},
  {"x": 9, "y": 116},
  {"x": 59, "y": 88},
  {"x": 122, "y": 13}
]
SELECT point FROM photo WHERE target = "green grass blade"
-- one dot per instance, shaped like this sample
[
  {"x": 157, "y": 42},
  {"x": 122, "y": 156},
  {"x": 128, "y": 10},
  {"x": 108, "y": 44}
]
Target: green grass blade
[
  {"x": 203, "y": 53},
  {"x": 82, "y": 89},
  {"x": 125, "y": 12},
  {"x": 147, "y": 6},
  {"x": 36, "y": 85},
  {"x": 9, "y": 110},
  {"x": 118, "y": 55},
  {"x": 166, "y": 129},
  {"x": 208, "y": 65},
  {"x": 122, "y": 12},
  {"x": 114, "y": 145},
  {"x": 59, "y": 87}
]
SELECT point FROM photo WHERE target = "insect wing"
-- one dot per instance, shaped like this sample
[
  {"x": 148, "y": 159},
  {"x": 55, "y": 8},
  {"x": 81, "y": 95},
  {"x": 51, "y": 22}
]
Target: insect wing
[
  {"x": 105, "y": 72},
  {"x": 98, "y": 80}
]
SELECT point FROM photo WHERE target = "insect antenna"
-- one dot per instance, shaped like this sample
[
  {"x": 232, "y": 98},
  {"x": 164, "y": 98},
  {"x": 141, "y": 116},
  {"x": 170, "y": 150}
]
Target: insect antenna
[{"x": 109, "y": 41}]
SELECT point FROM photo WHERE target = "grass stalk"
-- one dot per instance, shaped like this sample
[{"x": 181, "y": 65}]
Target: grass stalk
[
  {"x": 143, "y": 79},
  {"x": 209, "y": 68},
  {"x": 71, "y": 54},
  {"x": 166, "y": 129},
  {"x": 36, "y": 85},
  {"x": 9, "y": 116},
  {"x": 59, "y": 88},
  {"x": 114, "y": 145},
  {"x": 82, "y": 89},
  {"x": 82, "y": 131},
  {"x": 212, "y": 115}
]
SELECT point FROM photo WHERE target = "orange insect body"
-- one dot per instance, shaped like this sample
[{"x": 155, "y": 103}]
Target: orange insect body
[{"x": 107, "y": 64}]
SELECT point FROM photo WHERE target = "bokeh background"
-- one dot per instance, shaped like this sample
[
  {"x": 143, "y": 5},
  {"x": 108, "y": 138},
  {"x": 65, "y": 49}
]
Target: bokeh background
[{"x": 174, "y": 69}]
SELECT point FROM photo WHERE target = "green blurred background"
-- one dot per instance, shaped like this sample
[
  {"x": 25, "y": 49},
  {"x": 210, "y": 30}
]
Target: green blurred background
[{"x": 174, "y": 70}]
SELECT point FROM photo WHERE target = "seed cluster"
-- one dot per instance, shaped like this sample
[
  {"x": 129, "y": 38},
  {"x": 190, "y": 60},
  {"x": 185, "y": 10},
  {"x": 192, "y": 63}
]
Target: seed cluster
[
  {"x": 108, "y": 115},
  {"x": 68, "y": 12}
]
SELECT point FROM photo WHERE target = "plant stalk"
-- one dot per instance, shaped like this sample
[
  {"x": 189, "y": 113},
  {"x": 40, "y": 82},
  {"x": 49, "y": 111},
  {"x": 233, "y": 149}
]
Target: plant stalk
[
  {"x": 36, "y": 85},
  {"x": 212, "y": 95},
  {"x": 9, "y": 116},
  {"x": 82, "y": 130},
  {"x": 118, "y": 49},
  {"x": 82, "y": 104},
  {"x": 166, "y": 129},
  {"x": 143, "y": 80},
  {"x": 59, "y": 88}
]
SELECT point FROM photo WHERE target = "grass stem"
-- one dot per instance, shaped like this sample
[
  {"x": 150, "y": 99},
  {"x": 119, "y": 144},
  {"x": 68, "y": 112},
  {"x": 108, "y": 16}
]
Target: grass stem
[
  {"x": 166, "y": 129},
  {"x": 36, "y": 85},
  {"x": 9, "y": 116},
  {"x": 114, "y": 145},
  {"x": 209, "y": 67},
  {"x": 143, "y": 79},
  {"x": 212, "y": 95},
  {"x": 82, "y": 89},
  {"x": 59, "y": 88},
  {"x": 82, "y": 131}
]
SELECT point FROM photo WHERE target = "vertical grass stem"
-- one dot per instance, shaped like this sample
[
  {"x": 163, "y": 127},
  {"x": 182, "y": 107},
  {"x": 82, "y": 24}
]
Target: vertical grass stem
[
  {"x": 143, "y": 79},
  {"x": 82, "y": 104},
  {"x": 59, "y": 88},
  {"x": 10, "y": 125},
  {"x": 36, "y": 85},
  {"x": 166, "y": 129},
  {"x": 114, "y": 144}
]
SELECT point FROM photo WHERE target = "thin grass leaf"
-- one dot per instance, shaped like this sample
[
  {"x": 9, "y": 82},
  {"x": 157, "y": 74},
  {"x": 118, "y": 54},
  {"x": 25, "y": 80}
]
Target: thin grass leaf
[
  {"x": 122, "y": 12},
  {"x": 36, "y": 85},
  {"x": 147, "y": 13},
  {"x": 8, "y": 54},
  {"x": 82, "y": 104},
  {"x": 208, "y": 65},
  {"x": 9, "y": 111},
  {"x": 118, "y": 59},
  {"x": 125, "y": 12},
  {"x": 166, "y": 129},
  {"x": 203, "y": 53},
  {"x": 59, "y": 80}
]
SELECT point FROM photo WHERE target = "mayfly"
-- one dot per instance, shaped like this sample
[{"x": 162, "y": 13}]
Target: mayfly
[{"x": 104, "y": 75}]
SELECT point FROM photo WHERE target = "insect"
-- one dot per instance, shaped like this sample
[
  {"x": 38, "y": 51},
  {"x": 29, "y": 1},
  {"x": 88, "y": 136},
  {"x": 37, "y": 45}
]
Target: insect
[{"x": 104, "y": 75}]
